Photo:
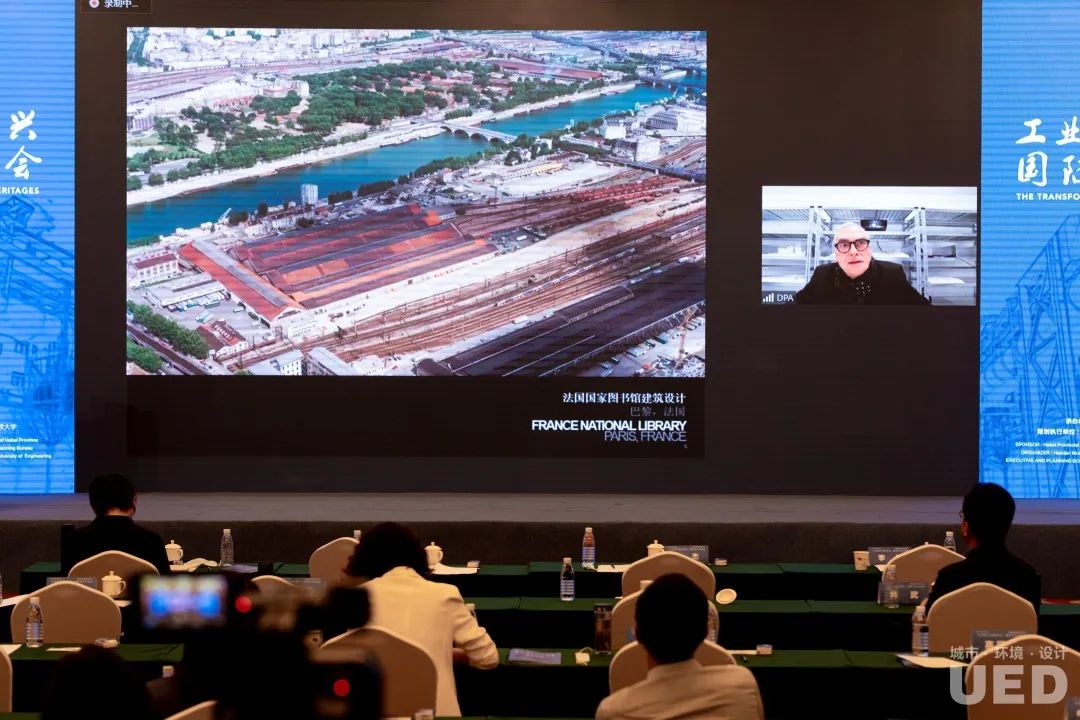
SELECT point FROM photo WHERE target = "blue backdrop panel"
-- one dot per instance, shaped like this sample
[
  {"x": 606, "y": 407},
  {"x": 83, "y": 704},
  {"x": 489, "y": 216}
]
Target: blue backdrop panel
[
  {"x": 1030, "y": 263},
  {"x": 37, "y": 260}
]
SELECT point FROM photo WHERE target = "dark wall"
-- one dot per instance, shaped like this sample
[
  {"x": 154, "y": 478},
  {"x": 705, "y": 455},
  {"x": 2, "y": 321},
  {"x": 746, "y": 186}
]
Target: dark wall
[{"x": 814, "y": 400}]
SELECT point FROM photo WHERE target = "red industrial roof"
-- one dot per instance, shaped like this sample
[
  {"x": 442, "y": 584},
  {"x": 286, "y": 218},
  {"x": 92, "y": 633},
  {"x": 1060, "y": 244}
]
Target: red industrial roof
[
  {"x": 155, "y": 260},
  {"x": 238, "y": 282}
]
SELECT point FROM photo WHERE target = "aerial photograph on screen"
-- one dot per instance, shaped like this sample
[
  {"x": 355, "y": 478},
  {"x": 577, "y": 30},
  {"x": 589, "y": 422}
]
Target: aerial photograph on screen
[{"x": 415, "y": 202}]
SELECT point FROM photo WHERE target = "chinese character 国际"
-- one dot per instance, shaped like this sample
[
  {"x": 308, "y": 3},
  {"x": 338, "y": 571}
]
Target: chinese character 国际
[
  {"x": 1070, "y": 133},
  {"x": 22, "y": 121},
  {"x": 1033, "y": 135},
  {"x": 1069, "y": 174},
  {"x": 1032, "y": 169},
  {"x": 20, "y": 163}
]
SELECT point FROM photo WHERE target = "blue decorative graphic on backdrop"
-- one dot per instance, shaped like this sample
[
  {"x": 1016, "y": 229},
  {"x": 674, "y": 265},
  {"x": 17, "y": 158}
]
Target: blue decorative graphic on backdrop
[
  {"x": 37, "y": 262},
  {"x": 1029, "y": 290}
]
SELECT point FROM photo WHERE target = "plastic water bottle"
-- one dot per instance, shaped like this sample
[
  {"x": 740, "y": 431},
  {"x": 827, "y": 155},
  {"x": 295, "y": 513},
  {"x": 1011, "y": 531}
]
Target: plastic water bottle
[
  {"x": 892, "y": 593},
  {"x": 714, "y": 623},
  {"x": 227, "y": 548},
  {"x": 920, "y": 632},
  {"x": 950, "y": 540},
  {"x": 35, "y": 624},
  {"x": 566, "y": 581},
  {"x": 588, "y": 549}
]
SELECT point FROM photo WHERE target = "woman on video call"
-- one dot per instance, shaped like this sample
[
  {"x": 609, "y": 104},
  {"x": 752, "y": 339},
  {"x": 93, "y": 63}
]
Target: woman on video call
[{"x": 856, "y": 278}]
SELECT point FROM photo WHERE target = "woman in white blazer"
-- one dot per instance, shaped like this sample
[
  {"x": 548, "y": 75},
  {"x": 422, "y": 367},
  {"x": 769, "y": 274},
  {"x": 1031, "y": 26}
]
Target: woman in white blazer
[{"x": 431, "y": 614}]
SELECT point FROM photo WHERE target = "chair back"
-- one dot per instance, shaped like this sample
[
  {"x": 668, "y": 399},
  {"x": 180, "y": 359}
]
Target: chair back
[
  {"x": 1036, "y": 651},
  {"x": 202, "y": 711},
  {"x": 921, "y": 564},
  {"x": 409, "y": 678},
  {"x": 979, "y": 606},
  {"x": 125, "y": 565},
  {"x": 666, "y": 563},
  {"x": 274, "y": 586},
  {"x": 629, "y": 664},
  {"x": 5, "y": 682},
  {"x": 622, "y": 621},
  {"x": 329, "y": 561},
  {"x": 73, "y": 614}
]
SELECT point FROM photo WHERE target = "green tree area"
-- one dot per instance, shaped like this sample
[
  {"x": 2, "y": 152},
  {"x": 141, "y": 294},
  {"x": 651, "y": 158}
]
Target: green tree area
[
  {"x": 274, "y": 107},
  {"x": 623, "y": 67},
  {"x": 133, "y": 182},
  {"x": 144, "y": 161},
  {"x": 528, "y": 91},
  {"x": 143, "y": 241},
  {"x": 184, "y": 340},
  {"x": 374, "y": 188},
  {"x": 143, "y": 357},
  {"x": 453, "y": 162},
  {"x": 374, "y": 94},
  {"x": 172, "y": 133},
  {"x": 336, "y": 197},
  {"x": 137, "y": 46},
  {"x": 458, "y": 113}
]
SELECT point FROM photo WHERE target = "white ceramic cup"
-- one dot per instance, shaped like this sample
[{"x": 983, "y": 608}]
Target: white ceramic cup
[
  {"x": 174, "y": 552},
  {"x": 113, "y": 585},
  {"x": 434, "y": 555},
  {"x": 862, "y": 559}
]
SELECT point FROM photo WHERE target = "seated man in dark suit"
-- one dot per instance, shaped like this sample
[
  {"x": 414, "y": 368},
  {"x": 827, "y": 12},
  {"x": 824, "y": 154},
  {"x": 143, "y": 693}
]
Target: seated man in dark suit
[
  {"x": 113, "y": 499},
  {"x": 987, "y": 516},
  {"x": 856, "y": 278}
]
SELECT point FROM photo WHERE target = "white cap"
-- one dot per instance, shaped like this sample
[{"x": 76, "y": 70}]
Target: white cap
[
  {"x": 34, "y": 600},
  {"x": 948, "y": 533},
  {"x": 588, "y": 529},
  {"x": 566, "y": 561},
  {"x": 167, "y": 671},
  {"x": 356, "y": 534},
  {"x": 228, "y": 531}
]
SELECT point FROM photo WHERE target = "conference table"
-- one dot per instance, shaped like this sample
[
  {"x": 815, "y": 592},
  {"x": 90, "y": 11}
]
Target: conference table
[
  {"x": 752, "y": 581},
  {"x": 31, "y": 667},
  {"x": 794, "y": 683}
]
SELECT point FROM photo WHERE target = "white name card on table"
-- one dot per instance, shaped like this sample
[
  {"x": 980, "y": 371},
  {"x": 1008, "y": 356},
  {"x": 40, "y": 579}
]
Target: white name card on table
[
  {"x": 441, "y": 569},
  {"x": 928, "y": 662},
  {"x": 612, "y": 568},
  {"x": 90, "y": 582},
  {"x": 882, "y": 555},
  {"x": 75, "y": 648},
  {"x": 988, "y": 639}
]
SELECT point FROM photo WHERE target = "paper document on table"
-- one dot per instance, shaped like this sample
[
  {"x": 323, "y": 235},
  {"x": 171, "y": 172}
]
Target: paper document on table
[
  {"x": 193, "y": 565},
  {"x": 8, "y": 649},
  {"x": 742, "y": 652},
  {"x": 76, "y": 648},
  {"x": 441, "y": 569},
  {"x": 928, "y": 662},
  {"x": 609, "y": 567}
]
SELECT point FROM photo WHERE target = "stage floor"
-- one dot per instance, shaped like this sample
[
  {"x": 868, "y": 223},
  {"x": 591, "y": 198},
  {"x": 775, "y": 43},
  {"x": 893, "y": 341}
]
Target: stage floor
[{"x": 531, "y": 508}]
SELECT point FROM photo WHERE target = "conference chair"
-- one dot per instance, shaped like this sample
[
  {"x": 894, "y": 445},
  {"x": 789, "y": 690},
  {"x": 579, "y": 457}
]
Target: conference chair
[
  {"x": 1037, "y": 650},
  {"x": 272, "y": 585},
  {"x": 921, "y": 564},
  {"x": 202, "y": 711},
  {"x": 73, "y": 613},
  {"x": 979, "y": 606},
  {"x": 628, "y": 666},
  {"x": 125, "y": 565},
  {"x": 5, "y": 682},
  {"x": 409, "y": 678},
  {"x": 667, "y": 563},
  {"x": 329, "y": 561}
]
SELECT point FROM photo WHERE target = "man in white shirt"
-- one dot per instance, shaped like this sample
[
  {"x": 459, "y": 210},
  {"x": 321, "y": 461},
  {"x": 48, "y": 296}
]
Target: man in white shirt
[
  {"x": 671, "y": 622},
  {"x": 432, "y": 615}
]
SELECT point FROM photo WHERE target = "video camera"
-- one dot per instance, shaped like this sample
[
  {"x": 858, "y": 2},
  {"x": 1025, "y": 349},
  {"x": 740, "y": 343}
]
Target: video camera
[{"x": 256, "y": 653}]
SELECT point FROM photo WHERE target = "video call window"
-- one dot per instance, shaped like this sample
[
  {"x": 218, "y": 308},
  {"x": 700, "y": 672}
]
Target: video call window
[{"x": 869, "y": 245}]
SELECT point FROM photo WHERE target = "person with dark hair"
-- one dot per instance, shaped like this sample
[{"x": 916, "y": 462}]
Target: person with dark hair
[
  {"x": 95, "y": 683},
  {"x": 856, "y": 277},
  {"x": 113, "y": 500},
  {"x": 431, "y": 614},
  {"x": 671, "y": 621},
  {"x": 986, "y": 517}
]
